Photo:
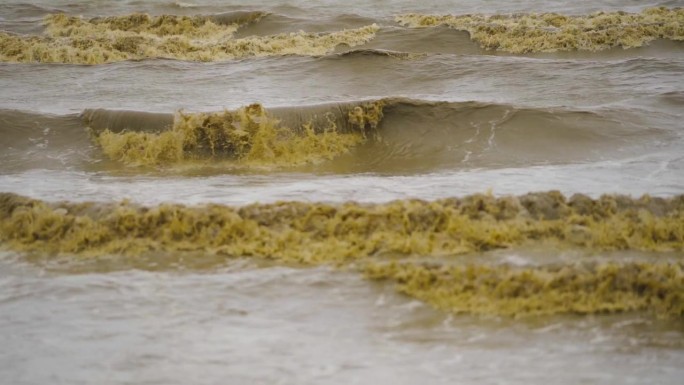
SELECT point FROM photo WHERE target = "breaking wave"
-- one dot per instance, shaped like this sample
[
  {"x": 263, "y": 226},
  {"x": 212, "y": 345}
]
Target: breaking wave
[
  {"x": 392, "y": 132},
  {"x": 366, "y": 135},
  {"x": 369, "y": 236},
  {"x": 248, "y": 135},
  {"x": 241, "y": 34},
  {"x": 139, "y": 36},
  {"x": 579, "y": 288}
]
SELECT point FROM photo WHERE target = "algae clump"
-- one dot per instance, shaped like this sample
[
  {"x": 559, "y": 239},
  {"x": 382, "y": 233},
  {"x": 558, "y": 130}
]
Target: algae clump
[
  {"x": 248, "y": 135},
  {"x": 542, "y": 290},
  {"x": 524, "y": 33},
  {"x": 327, "y": 233},
  {"x": 74, "y": 40}
]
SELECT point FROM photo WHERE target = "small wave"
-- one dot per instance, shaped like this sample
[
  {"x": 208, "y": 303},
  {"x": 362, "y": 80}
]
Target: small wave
[
  {"x": 673, "y": 97},
  {"x": 20, "y": 128},
  {"x": 273, "y": 24},
  {"x": 121, "y": 120},
  {"x": 551, "y": 32},
  {"x": 578, "y": 288},
  {"x": 438, "y": 40},
  {"x": 378, "y": 53},
  {"x": 26, "y": 10},
  {"x": 183, "y": 4},
  {"x": 241, "y": 18},
  {"x": 41, "y": 141}
]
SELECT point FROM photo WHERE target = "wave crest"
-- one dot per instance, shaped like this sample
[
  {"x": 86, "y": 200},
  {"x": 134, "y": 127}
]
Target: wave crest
[
  {"x": 550, "y": 32},
  {"x": 395, "y": 135},
  {"x": 249, "y": 135},
  {"x": 140, "y": 36},
  {"x": 354, "y": 235}
]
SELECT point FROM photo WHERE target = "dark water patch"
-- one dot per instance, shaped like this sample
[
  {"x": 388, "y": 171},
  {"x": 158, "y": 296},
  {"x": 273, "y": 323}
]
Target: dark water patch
[
  {"x": 374, "y": 53},
  {"x": 675, "y": 98},
  {"x": 120, "y": 121}
]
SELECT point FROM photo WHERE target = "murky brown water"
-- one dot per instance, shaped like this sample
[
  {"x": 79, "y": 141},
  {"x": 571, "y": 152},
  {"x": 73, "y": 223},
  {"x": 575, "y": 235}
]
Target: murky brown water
[{"x": 202, "y": 121}]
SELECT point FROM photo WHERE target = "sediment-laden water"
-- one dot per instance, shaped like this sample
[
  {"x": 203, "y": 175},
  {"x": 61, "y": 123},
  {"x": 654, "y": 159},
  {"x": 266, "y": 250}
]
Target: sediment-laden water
[{"x": 388, "y": 192}]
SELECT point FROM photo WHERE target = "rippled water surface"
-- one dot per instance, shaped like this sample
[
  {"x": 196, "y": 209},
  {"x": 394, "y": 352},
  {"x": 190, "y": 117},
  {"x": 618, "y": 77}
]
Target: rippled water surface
[
  {"x": 393, "y": 113},
  {"x": 283, "y": 325}
]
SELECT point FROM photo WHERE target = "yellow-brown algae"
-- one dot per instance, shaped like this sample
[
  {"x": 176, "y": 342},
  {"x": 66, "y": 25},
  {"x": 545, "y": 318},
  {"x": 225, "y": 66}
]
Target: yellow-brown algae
[
  {"x": 372, "y": 236},
  {"x": 367, "y": 115},
  {"x": 61, "y": 25},
  {"x": 139, "y": 36},
  {"x": 313, "y": 233},
  {"x": 248, "y": 135},
  {"x": 549, "y": 32},
  {"x": 541, "y": 290}
]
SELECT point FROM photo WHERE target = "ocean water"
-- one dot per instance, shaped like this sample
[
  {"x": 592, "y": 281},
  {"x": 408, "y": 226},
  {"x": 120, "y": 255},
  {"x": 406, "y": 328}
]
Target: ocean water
[{"x": 341, "y": 192}]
